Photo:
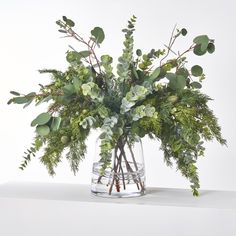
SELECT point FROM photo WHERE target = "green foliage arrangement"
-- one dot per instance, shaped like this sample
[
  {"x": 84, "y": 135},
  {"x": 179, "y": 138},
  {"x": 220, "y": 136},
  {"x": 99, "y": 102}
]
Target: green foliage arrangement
[{"x": 150, "y": 94}]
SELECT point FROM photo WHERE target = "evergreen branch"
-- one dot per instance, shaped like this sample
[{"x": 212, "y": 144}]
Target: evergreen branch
[
  {"x": 35, "y": 147},
  {"x": 76, "y": 154}
]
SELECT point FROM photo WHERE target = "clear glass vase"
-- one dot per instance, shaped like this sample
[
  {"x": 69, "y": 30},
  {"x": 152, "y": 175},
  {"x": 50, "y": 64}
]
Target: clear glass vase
[{"x": 125, "y": 176}]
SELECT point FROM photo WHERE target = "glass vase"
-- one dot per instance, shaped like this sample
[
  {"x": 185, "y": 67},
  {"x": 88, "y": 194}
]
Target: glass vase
[{"x": 125, "y": 176}]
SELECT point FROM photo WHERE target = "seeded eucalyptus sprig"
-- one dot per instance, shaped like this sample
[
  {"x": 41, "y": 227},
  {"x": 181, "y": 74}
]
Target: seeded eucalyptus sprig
[{"x": 154, "y": 93}]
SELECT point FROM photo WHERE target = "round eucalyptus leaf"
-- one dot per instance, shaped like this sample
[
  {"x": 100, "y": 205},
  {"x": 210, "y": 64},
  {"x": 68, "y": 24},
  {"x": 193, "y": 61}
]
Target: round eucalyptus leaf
[
  {"x": 184, "y": 31},
  {"x": 198, "y": 51},
  {"x": 196, "y": 85},
  {"x": 41, "y": 119},
  {"x": 177, "y": 83},
  {"x": 211, "y": 48},
  {"x": 98, "y": 34},
  {"x": 181, "y": 82},
  {"x": 73, "y": 56},
  {"x": 201, "y": 39},
  {"x": 139, "y": 52},
  {"x": 182, "y": 71},
  {"x": 196, "y": 70},
  {"x": 42, "y": 130},
  {"x": 170, "y": 76}
]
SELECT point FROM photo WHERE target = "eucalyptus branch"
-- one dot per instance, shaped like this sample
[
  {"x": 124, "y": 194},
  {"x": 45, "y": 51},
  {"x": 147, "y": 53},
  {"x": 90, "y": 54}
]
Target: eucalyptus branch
[{"x": 73, "y": 34}]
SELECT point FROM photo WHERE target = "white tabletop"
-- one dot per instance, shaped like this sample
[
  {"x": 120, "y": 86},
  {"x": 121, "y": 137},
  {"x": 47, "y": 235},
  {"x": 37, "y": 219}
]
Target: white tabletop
[
  {"x": 154, "y": 196},
  {"x": 33, "y": 209}
]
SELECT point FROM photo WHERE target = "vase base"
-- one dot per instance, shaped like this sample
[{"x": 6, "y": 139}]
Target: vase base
[{"x": 117, "y": 194}]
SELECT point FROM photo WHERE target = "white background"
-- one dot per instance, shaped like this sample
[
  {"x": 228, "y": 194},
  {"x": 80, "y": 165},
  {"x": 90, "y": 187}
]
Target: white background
[{"x": 29, "y": 41}]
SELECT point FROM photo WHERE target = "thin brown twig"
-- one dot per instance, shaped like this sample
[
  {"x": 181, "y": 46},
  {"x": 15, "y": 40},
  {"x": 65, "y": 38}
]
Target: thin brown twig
[
  {"x": 171, "y": 42},
  {"x": 129, "y": 168},
  {"x": 135, "y": 164},
  {"x": 186, "y": 51},
  {"x": 170, "y": 49},
  {"x": 122, "y": 171},
  {"x": 80, "y": 39}
]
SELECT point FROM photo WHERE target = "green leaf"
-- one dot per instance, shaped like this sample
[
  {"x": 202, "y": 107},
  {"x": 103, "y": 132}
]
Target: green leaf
[
  {"x": 68, "y": 89},
  {"x": 84, "y": 53},
  {"x": 42, "y": 130},
  {"x": 135, "y": 72},
  {"x": 182, "y": 71},
  {"x": 56, "y": 121},
  {"x": 106, "y": 59},
  {"x": 196, "y": 70},
  {"x": 155, "y": 74},
  {"x": 198, "y": 51},
  {"x": 170, "y": 76},
  {"x": 41, "y": 119},
  {"x": 177, "y": 83},
  {"x": 15, "y": 93},
  {"x": 34, "y": 123},
  {"x": 98, "y": 34},
  {"x": 46, "y": 99},
  {"x": 77, "y": 84},
  {"x": 184, "y": 31},
  {"x": 65, "y": 100},
  {"x": 20, "y": 100},
  {"x": 64, "y": 18},
  {"x": 10, "y": 101},
  {"x": 73, "y": 56},
  {"x": 58, "y": 22},
  {"x": 202, "y": 40},
  {"x": 31, "y": 96},
  {"x": 211, "y": 48},
  {"x": 28, "y": 103},
  {"x": 196, "y": 85},
  {"x": 162, "y": 74},
  {"x": 69, "y": 22},
  {"x": 181, "y": 82},
  {"x": 139, "y": 52},
  {"x": 62, "y": 31}
]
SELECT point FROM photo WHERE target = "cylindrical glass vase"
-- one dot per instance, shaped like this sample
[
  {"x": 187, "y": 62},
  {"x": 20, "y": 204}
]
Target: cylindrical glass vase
[{"x": 125, "y": 176}]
